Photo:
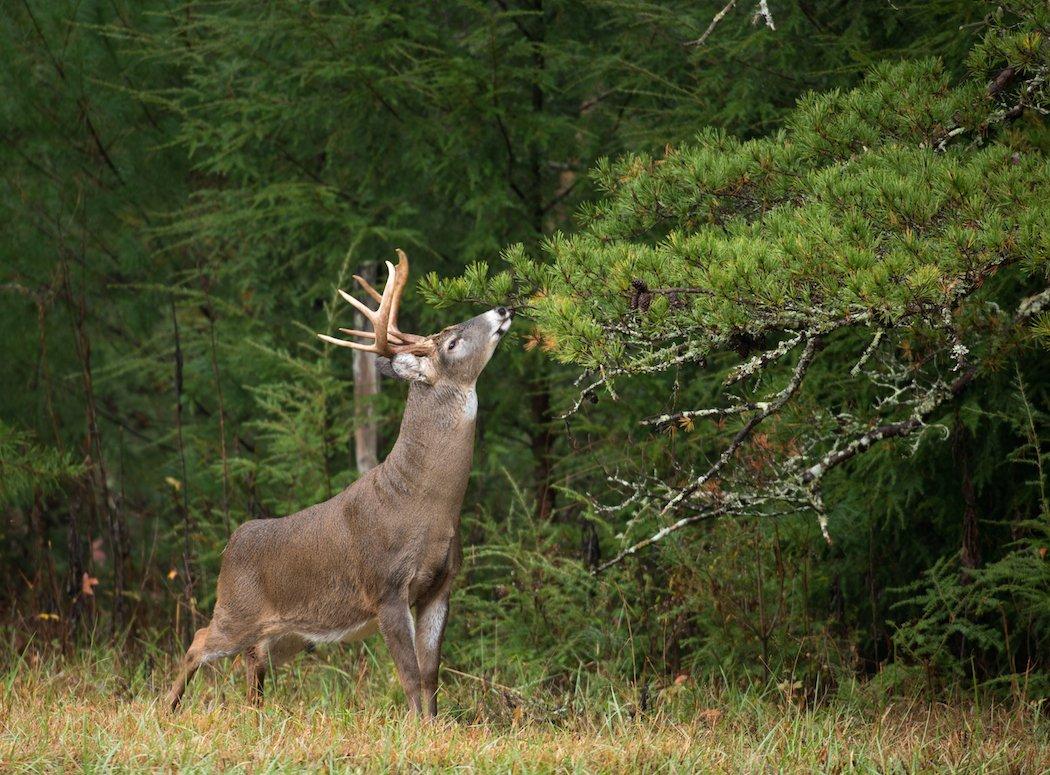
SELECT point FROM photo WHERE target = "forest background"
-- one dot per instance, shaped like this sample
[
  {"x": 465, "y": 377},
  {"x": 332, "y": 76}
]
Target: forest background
[{"x": 775, "y": 404}]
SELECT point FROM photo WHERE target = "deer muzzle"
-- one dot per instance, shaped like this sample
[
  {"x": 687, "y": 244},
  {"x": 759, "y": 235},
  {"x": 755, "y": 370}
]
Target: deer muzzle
[{"x": 500, "y": 319}]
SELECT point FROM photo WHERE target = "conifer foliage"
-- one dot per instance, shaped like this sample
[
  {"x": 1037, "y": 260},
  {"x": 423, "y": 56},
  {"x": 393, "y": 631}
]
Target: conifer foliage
[
  {"x": 907, "y": 217},
  {"x": 813, "y": 296}
]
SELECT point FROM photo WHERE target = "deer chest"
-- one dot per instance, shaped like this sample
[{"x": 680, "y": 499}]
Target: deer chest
[{"x": 435, "y": 562}]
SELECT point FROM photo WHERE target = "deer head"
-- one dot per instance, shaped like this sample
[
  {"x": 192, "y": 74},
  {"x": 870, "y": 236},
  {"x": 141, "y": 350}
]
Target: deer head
[{"x": 456, "y": 355}]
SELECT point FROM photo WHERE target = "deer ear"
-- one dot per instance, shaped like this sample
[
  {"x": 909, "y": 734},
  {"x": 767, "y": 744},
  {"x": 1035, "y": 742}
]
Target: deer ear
[{"x": 408, "y": 367}]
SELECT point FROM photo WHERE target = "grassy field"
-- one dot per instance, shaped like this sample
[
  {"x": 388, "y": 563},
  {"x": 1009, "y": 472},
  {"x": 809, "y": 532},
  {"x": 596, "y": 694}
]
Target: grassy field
[{"x": 343, "y": 710}]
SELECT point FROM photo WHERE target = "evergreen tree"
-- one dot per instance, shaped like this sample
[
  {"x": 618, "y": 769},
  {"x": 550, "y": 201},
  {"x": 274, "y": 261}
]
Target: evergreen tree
[{"x": 814, "y": 294}]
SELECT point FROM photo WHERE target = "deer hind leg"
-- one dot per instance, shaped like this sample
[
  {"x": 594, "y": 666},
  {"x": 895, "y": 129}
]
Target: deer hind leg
[
  {"x": 263, "y": 658},
  {"x": 208, "y": 644},
  {"x": 255, "y": 669}
]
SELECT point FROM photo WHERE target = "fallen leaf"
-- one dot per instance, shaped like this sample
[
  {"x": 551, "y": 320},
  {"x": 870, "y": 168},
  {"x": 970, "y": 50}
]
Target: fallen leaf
[
  {"x": 681, "y": 678},
  {"x": 48, "y": 617},
  {"x": 174, "y": 483},
  {"x": 710, "y": 716},
  {"x": 88, "y": 584},
  {"x": 172, "y": 574}
]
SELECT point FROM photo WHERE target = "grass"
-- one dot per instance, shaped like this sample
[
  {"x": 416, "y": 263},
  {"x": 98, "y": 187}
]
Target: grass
[{"x": 342, "y": 710}]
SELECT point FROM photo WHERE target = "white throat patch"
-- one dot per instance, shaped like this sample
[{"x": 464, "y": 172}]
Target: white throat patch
[{"x": 470, "y": 405}]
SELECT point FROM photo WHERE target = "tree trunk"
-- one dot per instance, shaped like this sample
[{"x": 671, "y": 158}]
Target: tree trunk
[
  {"x": 76, "y": 548},
  {"x": 189, "y": 622},
  {"x": 542, "y": 437},
  {"x": 223, "y": 452},
  {"x": 99, "y": 487},
  {"x": 542, "y": 443},
  {"x": 366, "y": 387},
  {"x": 970, "y": 549}
]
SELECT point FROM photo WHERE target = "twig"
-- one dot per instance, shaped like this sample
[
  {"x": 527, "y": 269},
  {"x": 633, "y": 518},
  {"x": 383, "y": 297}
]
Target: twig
[
  {"x": 658, "y": 536},
  {"x": 711, "y": 27},
  {"x": 507, "y": 692}
]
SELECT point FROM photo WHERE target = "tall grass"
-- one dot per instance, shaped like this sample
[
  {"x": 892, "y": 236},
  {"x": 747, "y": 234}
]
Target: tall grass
[{"x": 342, "y": 709}]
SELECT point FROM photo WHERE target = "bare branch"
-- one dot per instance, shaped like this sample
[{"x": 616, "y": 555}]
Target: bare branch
[
  {"x": 658, "y": 536},
  {"x": 781, "y": 398},
  {"x": 714, "y": 23}
]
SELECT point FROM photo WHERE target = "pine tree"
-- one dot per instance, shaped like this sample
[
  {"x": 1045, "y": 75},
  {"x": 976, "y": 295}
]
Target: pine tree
[{"x": 859, "y": 277}]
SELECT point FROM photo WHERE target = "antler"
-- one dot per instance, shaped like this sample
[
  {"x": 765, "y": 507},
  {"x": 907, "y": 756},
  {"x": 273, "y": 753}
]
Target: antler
[{"x": 389, "y": 339}]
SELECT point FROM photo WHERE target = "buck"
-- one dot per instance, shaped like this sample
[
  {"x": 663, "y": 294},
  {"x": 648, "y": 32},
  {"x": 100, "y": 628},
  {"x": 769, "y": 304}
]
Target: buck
[{"x": 385, "y": 546}]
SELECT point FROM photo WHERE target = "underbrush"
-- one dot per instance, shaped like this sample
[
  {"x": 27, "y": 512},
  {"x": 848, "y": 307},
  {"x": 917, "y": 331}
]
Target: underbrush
[{"x": 342, "y": 709}]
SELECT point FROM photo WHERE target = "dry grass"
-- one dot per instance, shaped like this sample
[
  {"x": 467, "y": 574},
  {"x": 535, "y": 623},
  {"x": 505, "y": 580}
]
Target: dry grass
[{"x": 89, "y": 714}]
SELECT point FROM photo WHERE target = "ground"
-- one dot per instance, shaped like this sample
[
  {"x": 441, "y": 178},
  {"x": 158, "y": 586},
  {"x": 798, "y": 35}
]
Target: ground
[{"x": 343, "y": 711}]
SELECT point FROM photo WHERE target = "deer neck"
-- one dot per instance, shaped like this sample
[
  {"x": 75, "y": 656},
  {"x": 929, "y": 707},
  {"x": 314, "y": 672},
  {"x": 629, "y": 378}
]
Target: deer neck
[{"x": 430, "y": 461}]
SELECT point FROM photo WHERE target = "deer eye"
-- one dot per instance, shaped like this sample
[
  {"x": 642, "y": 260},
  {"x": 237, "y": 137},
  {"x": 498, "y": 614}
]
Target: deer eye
[{"x": 452, "y": 344}]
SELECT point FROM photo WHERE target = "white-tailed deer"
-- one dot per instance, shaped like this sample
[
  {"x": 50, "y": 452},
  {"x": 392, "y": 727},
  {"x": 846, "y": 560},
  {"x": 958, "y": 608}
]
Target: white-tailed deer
[{"x": 387, "y": 544}]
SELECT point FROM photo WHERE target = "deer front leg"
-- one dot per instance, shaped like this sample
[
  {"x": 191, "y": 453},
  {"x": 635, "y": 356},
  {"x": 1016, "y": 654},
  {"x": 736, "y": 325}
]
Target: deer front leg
[
  {"x": 399, "y": 632},
  {"x": 430, "y": 631}
]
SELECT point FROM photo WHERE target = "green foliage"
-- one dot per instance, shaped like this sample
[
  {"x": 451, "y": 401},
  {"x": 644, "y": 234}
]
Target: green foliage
[
  {"x": 851, "y": 211},
  {"x": 186, "y": 187},
  {"x": 843, "y": 281},
  {"x": 29, "y": 469},
  {"x": 999, "y": 612}
]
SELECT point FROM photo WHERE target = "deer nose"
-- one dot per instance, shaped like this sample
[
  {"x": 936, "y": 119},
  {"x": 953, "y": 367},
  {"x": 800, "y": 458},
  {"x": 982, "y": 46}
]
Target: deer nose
[{"x": 503, "y": 312}]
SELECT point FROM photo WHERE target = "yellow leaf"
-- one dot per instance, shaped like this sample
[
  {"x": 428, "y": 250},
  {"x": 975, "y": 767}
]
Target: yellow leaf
[
  {"x": 174, "y": 483},
  {"x": 172, "y": 574},
  {"x": 48, "y": 617}
]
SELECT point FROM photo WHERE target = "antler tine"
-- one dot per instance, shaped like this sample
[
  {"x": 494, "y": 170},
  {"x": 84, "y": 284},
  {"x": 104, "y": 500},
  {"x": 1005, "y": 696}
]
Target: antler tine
[
  {"x": 360, "y": 307},
  {"x": 391, "y": 336},
  {"x": 379, "y": 318},
  {"x": 388, "y": 338},
  {"x": 399, "y": 288},
  {"x": 381, "y": 321},
  {"x": 401, "y": 280},
  {"x": 344, "y": 343},
  {"x": 368, "y": 288}
]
